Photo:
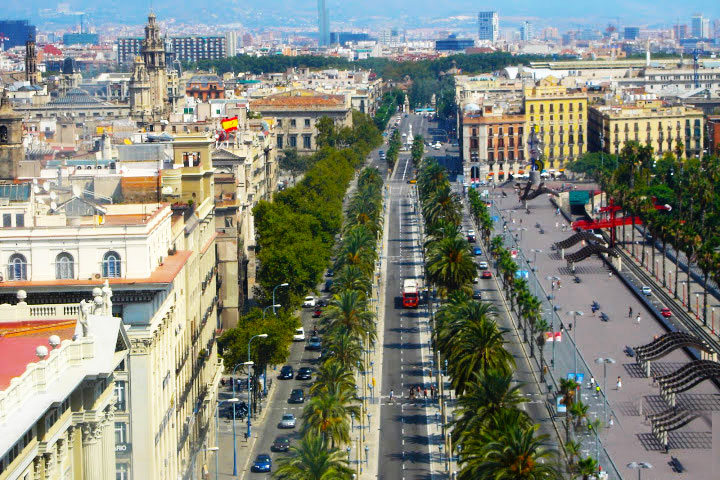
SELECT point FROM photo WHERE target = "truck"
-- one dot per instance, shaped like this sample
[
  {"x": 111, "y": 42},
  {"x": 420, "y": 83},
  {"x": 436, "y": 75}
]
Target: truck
[{"x": 410, "y": 293}]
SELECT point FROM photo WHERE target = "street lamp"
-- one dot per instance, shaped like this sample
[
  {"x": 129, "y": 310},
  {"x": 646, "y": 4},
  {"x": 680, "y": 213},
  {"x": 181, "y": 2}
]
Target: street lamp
[
  {"x": 273, "y": 306},
  {"x": 276, "y": 287},
  {"x": 347, "y": 449},
  {"x": 575, "y": 314},
  {"x": 249, "y": 423},
  {"x": 247, "y": 364},
  {"x": 639, "y": 466},
  {"x": 233, "y": 401},
  {"x": 604, "y": 362}
]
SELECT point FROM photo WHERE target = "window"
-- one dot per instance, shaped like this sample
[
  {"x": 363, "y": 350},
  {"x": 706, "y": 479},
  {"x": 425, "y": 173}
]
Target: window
[
  {"x": 532, "y": 108},
  {"x": 511, "y": 131},
  {"x": 120, "y": 395},
  {"x": 279, "y": 122},
  {"x": 19, "y": 219},
  {"x": 7, "y": 220},
  {"x": 280, "y": 141},
  {"x": 520, "y": 130},
  {"x": 64, "y": 266},
  {"x": 306, "y": 142},
  {"x": 111, "y": 265},
  {"x": 17, "y": 267},
  {"x": 120, "y": 433},
  {"x": 3, "y": 134},
  {"x": 122, "y": 471},
  {"x": 293, "y": 123},
  {"x": 500, "y": 131},
  {"x": 307, "y": 123},
  {"x": 293, "y": 141}
]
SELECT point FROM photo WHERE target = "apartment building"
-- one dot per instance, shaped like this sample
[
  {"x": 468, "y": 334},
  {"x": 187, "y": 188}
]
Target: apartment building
[
  {"x": 57, "y": 384},
  {"x": 189, "y": 48},
  {"x": 561, "y": 115},
  {"x": 667, "y": 128}
]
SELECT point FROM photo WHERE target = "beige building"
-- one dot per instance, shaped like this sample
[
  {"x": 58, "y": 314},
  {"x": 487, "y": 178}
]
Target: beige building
[
  {"x": 650, "y": 122},
  {"x": 296, "y": 114},
  {"x": 57, "y": 385},
  {"x": 561, "y": 115}
]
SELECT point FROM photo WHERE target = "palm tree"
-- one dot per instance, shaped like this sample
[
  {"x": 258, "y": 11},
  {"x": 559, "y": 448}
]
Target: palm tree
[
  {"x": 345, "y": 347},
  {"x": 311, "y": 459},
  {"x": 508, "y": 453},
  {"x": 450, "y": 265},
  {"x": 568, "y": 388},
  {"x": 348, "y": 312},
  {"x": 573, "y": 451},
  {"x": 489, "y": 392},
  {"x": 351, "y": 277},
  {"x": 357, "y": 248},
  {"x": 328, "y": 415},
  {"x": 332, "y": 377},
  {"x": 496, "y": 244},
  {"x": 579, "y": 411},
  {"x": 586, "y": 468},
  {"x": 442, "y": 203},
  {"x": 541, "y": 326}
]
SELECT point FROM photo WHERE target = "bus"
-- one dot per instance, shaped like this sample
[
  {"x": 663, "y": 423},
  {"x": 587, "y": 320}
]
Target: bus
[{"x": 410, "y": 293}]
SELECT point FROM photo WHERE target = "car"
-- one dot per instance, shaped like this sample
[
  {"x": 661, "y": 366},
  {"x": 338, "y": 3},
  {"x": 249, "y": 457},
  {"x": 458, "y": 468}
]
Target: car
[
  {"x": 322, "y": 302},
  {"x": 317, "y": 313},
  {"x": 483, "y": 265},
  {"x": 412, "y": 181},
  {"x": 281, "y": 444},
  {"x": 477, "y": 251},
  {"x": 486, "y": 274},
  {"x": 477, "y": 295},
  {"x": 476, "y": 279},
  {"x": 328, "y": 285},
  {"x": 381, "y": 153},
  {"x": 314, "y": 344},
  {"x": 665, "y": 312},
  {"x": 437, "y": 146},
  {"x": 297, "y": 396},
  {"x": 262, "y": 463},
  {"x": 471, "y": 238},
  {"x": 287, "y": 421},
  {"x": 304, "y": 373},
  {"x": 299, "y": 335},
  {"x": 309, "y": 301},
  {"x": 647, "y": 291},
  {"x": 286, "y": 372},
  {"x": 330, "y": 273}
]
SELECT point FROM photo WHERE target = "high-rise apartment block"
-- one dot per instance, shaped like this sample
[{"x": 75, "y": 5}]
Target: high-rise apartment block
[
  {"x": 488, "y": 26},
  {"x": 323, "y": 24},
  {"x": 16, "y": 33},
  {"x": 526, "y": 31},
  {"x": 699, "y": 26},
  {"x": 187, "y": 48}
]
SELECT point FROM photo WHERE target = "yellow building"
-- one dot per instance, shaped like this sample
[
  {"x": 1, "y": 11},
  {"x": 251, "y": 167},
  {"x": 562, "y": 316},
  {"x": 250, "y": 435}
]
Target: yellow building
[
  {"x": 664, "y": 127},
  {"x": 561, "y": 115}
]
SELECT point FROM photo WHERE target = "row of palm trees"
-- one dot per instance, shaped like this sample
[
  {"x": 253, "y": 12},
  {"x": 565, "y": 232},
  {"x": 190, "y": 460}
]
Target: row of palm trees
[
  {"x": 692, "y": 188},
  {"x": 347, "y": 326},
  {"x": 493, "y": 437}
]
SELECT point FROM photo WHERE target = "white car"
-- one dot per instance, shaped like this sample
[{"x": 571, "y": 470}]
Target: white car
[
  {"x": 437, "y": 146},
  {"x": 483, "y": 265},
  {"x": 299, "y": 335},
  {"x": 646, "y": 291},
  {"x": 288, "y": 421},
  {"x": 309, "y": 301}
]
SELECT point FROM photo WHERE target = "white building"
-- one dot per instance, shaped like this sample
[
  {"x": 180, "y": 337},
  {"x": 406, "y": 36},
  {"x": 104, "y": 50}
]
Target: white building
[{"x": 488, "y": 26}]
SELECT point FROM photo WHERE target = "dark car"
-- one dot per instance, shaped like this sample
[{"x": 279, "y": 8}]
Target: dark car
[
  {"x": 317, "y": 313},
  {"x": 262, "y": 463},
  {"x": 322, "y": 302},
  {"x": 471, "y": 238},
  {"x": 314, "y": 344},
  {"x": 281, "y": 444},
  {"x": 305, "y": 373},
  {"x": 330, "y": 273},
  {"x": 328, "y": 285},
  {"x": 477, "y": 295},
  {"x": 297, "y": 396},
  {"x": 286, "y": 372}
]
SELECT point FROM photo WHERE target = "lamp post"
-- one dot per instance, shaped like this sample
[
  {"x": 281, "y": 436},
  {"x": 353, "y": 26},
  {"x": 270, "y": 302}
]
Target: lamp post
[
  {"x": 697, "y": 306},
  {"x": 247, "y": 364},
  {"x": 249, "y": 422},
  {"x": 233, "y": 401},
  {"x": 604, "y": 362},
  {"x": 575, "y": 314},
  {"x": 273, "y": 306},
  {"x": 275, "y": 288},
  {"x": 639, "y": 466}
]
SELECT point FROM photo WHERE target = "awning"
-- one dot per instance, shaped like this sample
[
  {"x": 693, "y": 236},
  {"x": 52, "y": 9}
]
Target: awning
[
  {"x": 501, "y": 172},
  {"x": 511, "y": 173},
  {"x": 561, "y": 170},
  {"x": 520, "y": 172},
  {"x": 491, "y": 174}
]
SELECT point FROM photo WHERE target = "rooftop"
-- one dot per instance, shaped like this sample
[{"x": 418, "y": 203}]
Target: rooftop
[{"x": 299, "y": 99}]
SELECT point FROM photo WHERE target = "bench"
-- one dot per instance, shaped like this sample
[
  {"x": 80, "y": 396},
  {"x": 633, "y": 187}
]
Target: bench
[
  {"x": 676, "y": 466},
  {"x": 629, "y": 351}
]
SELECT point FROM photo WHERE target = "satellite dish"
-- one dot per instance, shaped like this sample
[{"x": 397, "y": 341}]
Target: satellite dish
[
  {"x": 34, "y": 180},
  {"x": 36, "y": 189},
  {"x": 53, "y": 206},
  {"x": 46, "y": 186},
  {"x": 77, "y": 191},
  {"x": 53, "y": 196}
]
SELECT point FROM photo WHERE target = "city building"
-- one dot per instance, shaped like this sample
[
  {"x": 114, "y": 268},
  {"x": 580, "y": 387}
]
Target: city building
[
  {"x": 492, "y": 143},
  {"x": 526, "y": 31},
  {"x": 488, "y": 26},
  {"x": 16, "y": 33},
  {"x": 323, "y": 24},
  {"x": 231, "y": 43},
  {"x": 664, "y": 127},
  {"x": 185, "y": 48},
  {"x": 713, "y": 127},
  {"x": 561, "y": 114},
  {"x": 453, "y": 44},
  {"x": 205, "y": 87},
  {"x": 58, "y": 388},
  {"x": 296, "y": 114},
  {"x": 631, "y": 33},
  {"x": 341, "y": 38},
  {"x": 699, "y": 26},
  {"x": 81, "y": 39}
]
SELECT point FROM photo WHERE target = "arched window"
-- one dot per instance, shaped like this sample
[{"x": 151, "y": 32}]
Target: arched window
[
  {"x": 17, "y": 267},
  {"x": 111, "y": 265},
  {"x": 64, "y": 266}
]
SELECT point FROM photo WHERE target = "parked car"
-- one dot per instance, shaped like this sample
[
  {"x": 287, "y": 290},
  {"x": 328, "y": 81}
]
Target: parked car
[
  {"x": 477, "y": 251},
  {"x": 281, "y": 444},
  {"x": 297, "y": 396},
  {"x": 330, "y": 273},
  {"x": 477, "y": 295},
  {"x": 476, "y": 279},
  {"x": 305, "y": 373},
  {"x": 317, "y": 313},
  {"x": 299, "y": 335},
  {"x": 486, "y": 274},
  {"x": 483, "y": 265},
  {"x": 314, "y": 344},
  {"x": 647, "y": 291},
  {"x": 262, "y": 463},
  {"x": 287, "y": 421},
  {"x": 286, "y": 372},
  {"x": 322, "y": 302},
  {"x": 665, "y": 312},
  {"x": 328, "y": 285},
  {"x": 309, "y": 301}
]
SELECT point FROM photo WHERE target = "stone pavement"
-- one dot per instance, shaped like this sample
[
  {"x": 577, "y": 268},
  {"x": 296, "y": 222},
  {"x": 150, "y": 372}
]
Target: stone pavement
[{"x": 630, "y": 438}]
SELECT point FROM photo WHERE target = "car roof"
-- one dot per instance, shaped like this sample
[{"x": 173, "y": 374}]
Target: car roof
[
  {"x": 288, "y": 415},
  {"x": 263, "y": 456}
]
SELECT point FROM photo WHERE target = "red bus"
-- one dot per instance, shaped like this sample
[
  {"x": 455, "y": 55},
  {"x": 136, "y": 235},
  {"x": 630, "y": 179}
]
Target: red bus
[{"x": 410, "y": 293}]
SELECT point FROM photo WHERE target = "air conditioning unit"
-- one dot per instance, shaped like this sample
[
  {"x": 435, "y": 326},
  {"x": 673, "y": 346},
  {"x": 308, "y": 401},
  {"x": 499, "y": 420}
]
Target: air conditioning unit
[{"x": 97, "y": 276}]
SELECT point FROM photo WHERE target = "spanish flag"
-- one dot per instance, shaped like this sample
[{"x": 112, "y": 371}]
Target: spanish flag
[{"x": 229, "y": 124}]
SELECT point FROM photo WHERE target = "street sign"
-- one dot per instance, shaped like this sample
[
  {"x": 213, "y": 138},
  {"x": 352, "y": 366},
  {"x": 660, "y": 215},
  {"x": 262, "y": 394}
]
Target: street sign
[
  {"x": 553, "y": 336},
  {"x": 495, "y": 218},
  {"x": 513, "y": 253},
  {"x": 560, "y": 405},
  {"x": 578, "y": 377},
  {"x": 522, "y": 274}
]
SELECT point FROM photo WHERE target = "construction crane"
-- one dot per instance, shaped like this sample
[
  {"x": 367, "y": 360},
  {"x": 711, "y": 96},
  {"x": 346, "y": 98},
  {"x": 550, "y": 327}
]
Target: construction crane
[{"x": 696, "y": 56}]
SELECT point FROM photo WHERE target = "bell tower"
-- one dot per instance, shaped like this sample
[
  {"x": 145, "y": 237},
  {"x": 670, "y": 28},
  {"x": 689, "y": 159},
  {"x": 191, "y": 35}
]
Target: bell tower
[
  {"x": 31, "y": 73},
  {"x": 11, "y": 140}
]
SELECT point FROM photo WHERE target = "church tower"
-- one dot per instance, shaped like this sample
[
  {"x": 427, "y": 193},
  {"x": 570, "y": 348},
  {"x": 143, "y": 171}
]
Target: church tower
[
  {"x": 139, "y": 92},
  {"x": 31, "y": 72},
  {"x": 153, "y": 55},
  {"x": 11, "y": 140}
]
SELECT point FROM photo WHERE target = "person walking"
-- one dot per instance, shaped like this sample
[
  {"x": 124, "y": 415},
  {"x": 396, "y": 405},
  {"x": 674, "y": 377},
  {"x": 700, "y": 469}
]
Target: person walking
[
  {"x": 592, "y": 382},
  {"x": 619, "y": 384},
  {"x": 425, "y": 394},
  {"x": 637, "y": 319},
  {"x": 391, "y": 396},
  {"x": 629, "y": 312}
]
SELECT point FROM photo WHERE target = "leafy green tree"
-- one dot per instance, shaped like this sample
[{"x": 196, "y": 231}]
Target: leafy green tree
[
  {"x": 292, "y": 162},
  {"x": 328, "y": 415},
  {"x": 327, "y": 135},
  {"x": 312, "y": 459}
]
